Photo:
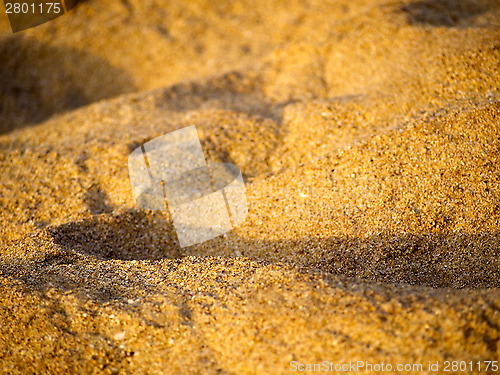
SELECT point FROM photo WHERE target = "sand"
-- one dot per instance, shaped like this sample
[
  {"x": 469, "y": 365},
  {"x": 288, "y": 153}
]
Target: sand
[{"x": 368, "y": 133}]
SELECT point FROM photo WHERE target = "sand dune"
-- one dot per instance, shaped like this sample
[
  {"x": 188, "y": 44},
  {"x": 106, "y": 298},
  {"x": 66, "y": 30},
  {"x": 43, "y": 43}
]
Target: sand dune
[{"x": 369, "y": 139}]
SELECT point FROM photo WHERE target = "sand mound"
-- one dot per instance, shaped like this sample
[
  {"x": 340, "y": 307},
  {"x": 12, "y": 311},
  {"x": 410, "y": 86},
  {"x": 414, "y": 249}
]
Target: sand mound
[
  {"x": 32, "y": 88},
  {"x": 369, "y": 139}
]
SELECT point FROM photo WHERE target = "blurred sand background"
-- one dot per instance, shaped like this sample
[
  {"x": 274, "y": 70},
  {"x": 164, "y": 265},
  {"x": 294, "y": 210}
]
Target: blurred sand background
[{"x": 368, "y": 133}]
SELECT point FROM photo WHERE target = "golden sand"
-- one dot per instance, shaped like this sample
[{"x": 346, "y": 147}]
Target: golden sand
[{"x": 368, "y": 133}]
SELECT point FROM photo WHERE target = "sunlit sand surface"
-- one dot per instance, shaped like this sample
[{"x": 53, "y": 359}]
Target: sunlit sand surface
[{"x": 368, "y": 135}]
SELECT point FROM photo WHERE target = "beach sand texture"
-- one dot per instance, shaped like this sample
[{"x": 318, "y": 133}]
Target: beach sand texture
[{"x": 368, "y": 134}]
